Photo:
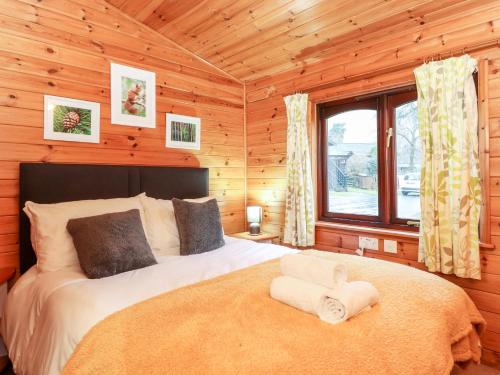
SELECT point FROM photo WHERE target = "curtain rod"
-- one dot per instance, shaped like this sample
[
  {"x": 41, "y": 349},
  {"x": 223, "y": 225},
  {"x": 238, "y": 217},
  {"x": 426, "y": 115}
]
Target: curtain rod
[{"x": 394, "y": 68}]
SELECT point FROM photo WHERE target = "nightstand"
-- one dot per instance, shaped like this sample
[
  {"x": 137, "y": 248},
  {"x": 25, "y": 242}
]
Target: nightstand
[
  {"x": 6, "y": 274},
  {"x": 263, "y": 237}
]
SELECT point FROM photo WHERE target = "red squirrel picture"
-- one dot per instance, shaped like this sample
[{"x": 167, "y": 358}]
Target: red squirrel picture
[{"x": 134, "y": 101}]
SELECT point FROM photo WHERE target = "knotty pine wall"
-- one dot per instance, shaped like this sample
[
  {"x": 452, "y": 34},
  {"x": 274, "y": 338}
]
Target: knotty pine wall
[
  {"x": 367, "y": 66},
  {"x": 64, "y": 48}
]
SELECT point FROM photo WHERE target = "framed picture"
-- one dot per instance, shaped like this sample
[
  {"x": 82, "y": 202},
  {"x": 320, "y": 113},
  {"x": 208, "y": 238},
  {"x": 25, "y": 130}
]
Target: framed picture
[
  {"x": 183, "y": 131},
  {"x": 71, "y": 120},
  {"x": 133, "y": 96}
]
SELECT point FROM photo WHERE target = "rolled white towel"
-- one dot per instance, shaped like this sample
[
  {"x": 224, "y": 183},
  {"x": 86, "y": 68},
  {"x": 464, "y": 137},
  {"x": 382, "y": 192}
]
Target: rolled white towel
[
  {"x": 325, "y": 272},
  {"x": 332, "y": 306},
  {"x": 348, "y": 300},
  {"x": 298, "y": 293}
]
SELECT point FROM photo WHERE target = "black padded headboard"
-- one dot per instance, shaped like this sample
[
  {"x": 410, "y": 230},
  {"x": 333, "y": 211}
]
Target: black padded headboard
[{"x": 52, "y": 183}]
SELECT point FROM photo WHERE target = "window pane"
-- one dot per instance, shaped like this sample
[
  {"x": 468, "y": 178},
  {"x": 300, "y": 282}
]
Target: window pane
[
  {"x": 407, "y": 161},
  {"x": 352, "y": 163}
]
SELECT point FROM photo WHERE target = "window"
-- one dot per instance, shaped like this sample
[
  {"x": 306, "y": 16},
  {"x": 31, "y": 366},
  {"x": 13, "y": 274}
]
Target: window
[
  {"x": 369, "y": 160},
  {"x": 402, "y": 111}
]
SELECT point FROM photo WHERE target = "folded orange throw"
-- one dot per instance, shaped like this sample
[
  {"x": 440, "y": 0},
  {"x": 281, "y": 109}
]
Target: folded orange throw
[{"x": 230, "y": 325}]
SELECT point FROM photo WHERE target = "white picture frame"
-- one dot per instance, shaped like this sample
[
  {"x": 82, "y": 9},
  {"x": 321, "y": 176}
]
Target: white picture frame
[
  {"x": 73, "y": 120},
  {"x": 183, "y": 131},
  {"x": 133, "y": 96}
]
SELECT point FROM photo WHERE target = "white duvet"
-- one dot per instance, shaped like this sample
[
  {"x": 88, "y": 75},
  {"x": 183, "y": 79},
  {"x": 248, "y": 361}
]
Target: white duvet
[{"x": 47, "y": 314}]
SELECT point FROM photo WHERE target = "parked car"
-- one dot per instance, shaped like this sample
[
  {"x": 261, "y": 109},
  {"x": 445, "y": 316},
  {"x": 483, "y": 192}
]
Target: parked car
[{"x": 410, "y": 183}]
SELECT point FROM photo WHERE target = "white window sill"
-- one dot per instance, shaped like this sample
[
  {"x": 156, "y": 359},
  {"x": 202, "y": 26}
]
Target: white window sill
[{"x": 372, "y": 230}]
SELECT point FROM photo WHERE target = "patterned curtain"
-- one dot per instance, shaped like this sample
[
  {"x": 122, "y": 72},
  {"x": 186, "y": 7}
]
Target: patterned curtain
[
  {"x": 450, "y": 185},
  {"x": 299, "y": 213}
]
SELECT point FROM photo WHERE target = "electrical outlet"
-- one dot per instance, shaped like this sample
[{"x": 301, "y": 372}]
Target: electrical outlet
[
  {"x": 390, "y": 246},
  {"x": 368, "y": 243}
]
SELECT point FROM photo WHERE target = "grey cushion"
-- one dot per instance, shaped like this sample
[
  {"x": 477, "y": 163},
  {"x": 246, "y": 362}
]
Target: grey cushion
[
  {"x": 199, "y": 226},
  {"x": 111, "y": 243}
]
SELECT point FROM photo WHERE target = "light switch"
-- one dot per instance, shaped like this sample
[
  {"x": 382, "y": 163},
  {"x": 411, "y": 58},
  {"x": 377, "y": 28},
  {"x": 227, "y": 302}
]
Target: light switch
[
  {"x": 368, "y": 243},
  {"x": 390, "y": 246}
]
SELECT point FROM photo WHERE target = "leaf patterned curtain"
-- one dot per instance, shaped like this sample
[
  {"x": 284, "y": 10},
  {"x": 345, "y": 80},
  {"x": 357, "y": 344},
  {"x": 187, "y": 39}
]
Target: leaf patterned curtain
[
  {"x": 450, "y": 184},
  {"x": 299, "y": 212}
]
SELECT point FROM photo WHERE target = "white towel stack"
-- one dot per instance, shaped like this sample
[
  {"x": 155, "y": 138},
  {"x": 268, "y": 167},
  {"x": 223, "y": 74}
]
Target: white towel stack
[
  {"x": 319, "y": 286},
  {"x": 325, "y": 272}
]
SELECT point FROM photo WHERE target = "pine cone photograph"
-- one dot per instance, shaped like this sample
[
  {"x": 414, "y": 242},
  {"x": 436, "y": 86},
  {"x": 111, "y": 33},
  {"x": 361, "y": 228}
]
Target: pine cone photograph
[{"x": 72, "y": 120}]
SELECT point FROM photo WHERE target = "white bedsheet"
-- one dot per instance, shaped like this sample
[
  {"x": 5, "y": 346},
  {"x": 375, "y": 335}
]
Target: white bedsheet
[{"x": 47, "y": 314}]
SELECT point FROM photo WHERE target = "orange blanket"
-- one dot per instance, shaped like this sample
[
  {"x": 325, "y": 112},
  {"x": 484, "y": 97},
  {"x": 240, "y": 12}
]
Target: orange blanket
[{"x": 230, "y": 325}]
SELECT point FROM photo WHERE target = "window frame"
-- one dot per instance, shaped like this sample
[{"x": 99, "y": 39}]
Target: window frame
[
  {"x": 386, "y": 160},
  {"x": 394, "y": 101}
]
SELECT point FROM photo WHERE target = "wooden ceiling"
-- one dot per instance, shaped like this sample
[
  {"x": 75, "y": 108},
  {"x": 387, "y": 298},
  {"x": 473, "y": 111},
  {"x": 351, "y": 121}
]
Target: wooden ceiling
[{"x": 251, "y": 39}]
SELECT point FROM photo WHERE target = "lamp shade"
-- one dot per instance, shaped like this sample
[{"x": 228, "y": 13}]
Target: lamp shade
[{"x": 254, "y": 214}]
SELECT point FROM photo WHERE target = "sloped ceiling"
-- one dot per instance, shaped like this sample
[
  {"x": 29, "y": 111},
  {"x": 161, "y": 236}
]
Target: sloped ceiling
[{"x": 251, "y": 39}]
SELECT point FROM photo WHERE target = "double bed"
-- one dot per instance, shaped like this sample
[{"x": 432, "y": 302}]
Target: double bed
[{"x": 211, "y": 313}]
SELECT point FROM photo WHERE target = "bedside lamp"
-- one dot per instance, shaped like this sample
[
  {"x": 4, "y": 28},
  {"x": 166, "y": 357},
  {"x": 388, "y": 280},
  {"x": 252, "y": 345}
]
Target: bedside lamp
[{"x": 254, "y": 218}]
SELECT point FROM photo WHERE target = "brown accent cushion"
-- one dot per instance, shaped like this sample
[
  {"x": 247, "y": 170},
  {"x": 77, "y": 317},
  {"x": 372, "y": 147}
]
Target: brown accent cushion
[
  {"x": 199, "y": 225},
  {"x": 110, "y": 244}
]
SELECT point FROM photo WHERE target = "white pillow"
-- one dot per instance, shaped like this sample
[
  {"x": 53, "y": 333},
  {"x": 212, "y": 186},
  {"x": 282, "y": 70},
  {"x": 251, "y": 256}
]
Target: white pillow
[
  {"x": 51, "y": 241},
  {"x": 161, "y": 227}
]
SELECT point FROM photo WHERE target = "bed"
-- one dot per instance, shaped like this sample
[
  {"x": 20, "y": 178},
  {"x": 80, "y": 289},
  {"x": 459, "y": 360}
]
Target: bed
[{"x": 211, "y": 313}]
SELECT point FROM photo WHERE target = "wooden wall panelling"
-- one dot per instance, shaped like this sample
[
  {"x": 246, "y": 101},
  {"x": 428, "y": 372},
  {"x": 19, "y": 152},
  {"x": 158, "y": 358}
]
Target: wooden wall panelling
[
  {"x": 98, "y": 12},
  {"x": 105, "y": 35},
  {"x": 386, "y": 61},
  {"x": 63, "y": 47},
  {"x": 484, "y": 147}
]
